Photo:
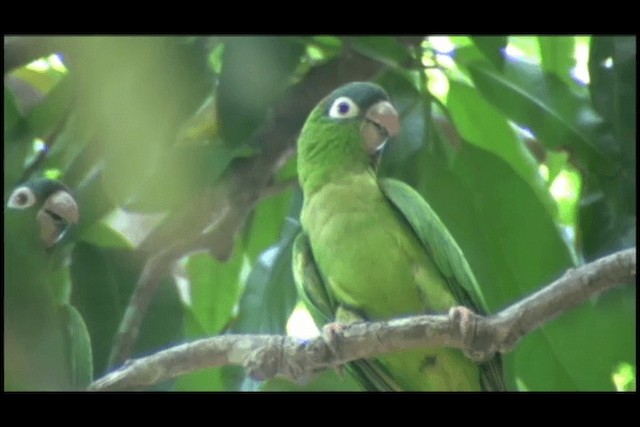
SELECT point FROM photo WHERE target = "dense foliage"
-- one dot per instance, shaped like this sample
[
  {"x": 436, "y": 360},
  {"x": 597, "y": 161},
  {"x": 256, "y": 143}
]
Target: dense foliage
[{"x": 525, "y": 146}]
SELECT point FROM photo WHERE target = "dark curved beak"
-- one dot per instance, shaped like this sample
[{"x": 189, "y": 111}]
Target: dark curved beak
[
  {"x": 380, "y": 123},
  {"x": 385, "y": 116},
  {"x": 56, "y": 215}
]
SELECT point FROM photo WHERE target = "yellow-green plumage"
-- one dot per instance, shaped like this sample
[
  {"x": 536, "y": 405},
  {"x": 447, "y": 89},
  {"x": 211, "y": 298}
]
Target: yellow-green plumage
[{"x": 367, "y": 250}]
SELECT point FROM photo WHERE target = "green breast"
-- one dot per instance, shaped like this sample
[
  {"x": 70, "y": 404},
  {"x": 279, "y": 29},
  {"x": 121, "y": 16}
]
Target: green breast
[{"x": 374, "y": 264}]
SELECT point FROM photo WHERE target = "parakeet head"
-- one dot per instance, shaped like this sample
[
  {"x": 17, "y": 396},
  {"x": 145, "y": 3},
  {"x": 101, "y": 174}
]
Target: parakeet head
[
  {"x": 56, "y": 208},
  {"x": 358, "y": 106},
  {"x": 345, "y": 131}
]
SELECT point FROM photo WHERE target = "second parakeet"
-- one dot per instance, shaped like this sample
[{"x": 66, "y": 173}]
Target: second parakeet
[
  {"x": 46, "y": 346},
  {"x": 373, "y": 249}
]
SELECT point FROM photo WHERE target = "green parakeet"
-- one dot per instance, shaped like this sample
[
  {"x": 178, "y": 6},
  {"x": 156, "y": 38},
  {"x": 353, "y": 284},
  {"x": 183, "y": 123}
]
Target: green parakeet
[
  {"x": 46, "y": 346},
  {"x": 373, "y": 249}
]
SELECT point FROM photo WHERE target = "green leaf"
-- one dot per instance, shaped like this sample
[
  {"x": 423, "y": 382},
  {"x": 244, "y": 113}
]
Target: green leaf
[
  {"x": 480, "y": 123},
  {"x": 556, "y": 55},
  {"x": 514, "y": 247},
  {"x": 492, "y": 47},
  {"x": 608, "y": 211},
  {"x": 102, "y": 282},
  {"x": 384, "y": 49},
  {"x": 544, "y": 104},
  {"x": 266, "y": 224},
  {"x": 93, "y": 202},
  {"x": 79, "y": 344},
  {"x": 270, "y": 294},
  {"x": 255, "y": 72},
  {"x": 214, "y": 291},
  {"x": 181, "y": 172},
  {"x": 269, "y": 297},
  {"x": 12, "y": 116},
  {"x": 45, "y": 116},
  {"x": 102, "y": 235}
]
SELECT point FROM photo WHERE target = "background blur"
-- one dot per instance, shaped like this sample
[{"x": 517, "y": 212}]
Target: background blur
[{"x": 525, "y": 146}]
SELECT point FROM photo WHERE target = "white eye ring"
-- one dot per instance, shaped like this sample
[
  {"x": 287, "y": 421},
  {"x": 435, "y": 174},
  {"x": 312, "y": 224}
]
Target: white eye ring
[
  {"x": 21, "y": 198},
  {"x": 343, "y": 108}
]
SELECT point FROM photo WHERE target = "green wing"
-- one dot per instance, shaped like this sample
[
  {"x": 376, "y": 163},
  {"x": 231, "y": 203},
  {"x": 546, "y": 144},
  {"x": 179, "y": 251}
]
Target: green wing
[
  {"x": 311, "y": 287},
  {"x": 447, "y": 255}
]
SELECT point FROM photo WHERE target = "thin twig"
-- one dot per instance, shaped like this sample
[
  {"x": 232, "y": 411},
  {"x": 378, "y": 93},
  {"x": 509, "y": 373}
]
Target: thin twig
[{"x": 266, "y": 356}]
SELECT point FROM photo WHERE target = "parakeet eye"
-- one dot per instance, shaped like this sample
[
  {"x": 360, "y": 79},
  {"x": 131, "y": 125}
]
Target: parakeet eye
[
  {"x": 21, "y": 198},
  {"x": 343, "y": 108}
]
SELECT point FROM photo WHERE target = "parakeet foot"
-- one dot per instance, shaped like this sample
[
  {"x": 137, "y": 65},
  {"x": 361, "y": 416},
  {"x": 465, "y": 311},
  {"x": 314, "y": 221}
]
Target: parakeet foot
[
  {"x": 466, "y": 319},
  {"x": 331, "y": 333}
]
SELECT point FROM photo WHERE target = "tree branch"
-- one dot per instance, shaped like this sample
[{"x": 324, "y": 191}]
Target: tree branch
[{"x": 266, "y": 356}]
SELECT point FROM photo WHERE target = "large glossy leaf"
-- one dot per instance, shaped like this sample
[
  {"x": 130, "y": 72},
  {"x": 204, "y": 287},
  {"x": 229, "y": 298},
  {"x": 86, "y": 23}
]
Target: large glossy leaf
[
  {"x": 478, "y": 122},
  {"x": 514, "y": 248},
  {"x": 544, "y": 104}
]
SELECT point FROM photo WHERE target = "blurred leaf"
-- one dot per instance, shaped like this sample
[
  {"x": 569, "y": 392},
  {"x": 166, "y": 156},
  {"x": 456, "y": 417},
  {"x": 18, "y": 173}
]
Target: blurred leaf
[
  {"x": 201, "y": 126},
  {"x": 556, "y": 55},
  {"x": 180, "y": 173},
  {"x": 102, "y": 235},
  {"x": 93, "y": 202},
  {"x": 45, "y": 116},
  {"x": 384, "y": 49},
  {"x": 41, "y": 80},
  {"x": 255, "y": 72},
  {"x": 624, "y": 377},
  {"x": 134, "y": 101},
  {"x": 556, "y": 162},
  {"x": 81, "y": 359},
  {"x": 12, "y": 116},
  {"x": 492, "y": 47}
]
